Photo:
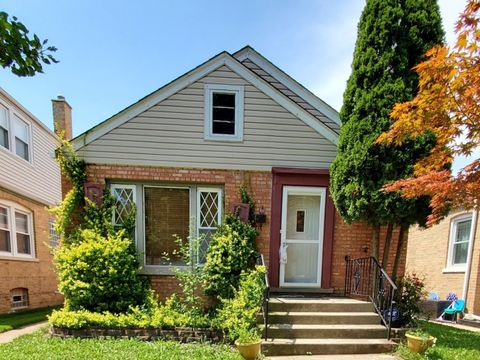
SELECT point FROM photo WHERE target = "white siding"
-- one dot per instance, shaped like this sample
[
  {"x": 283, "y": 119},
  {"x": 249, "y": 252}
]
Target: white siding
[
  {"x": 171, "y": 133},
  {"x": 38, "y": 179}
]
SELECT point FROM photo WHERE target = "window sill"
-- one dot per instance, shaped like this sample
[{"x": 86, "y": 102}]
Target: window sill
[
  {"x": 454, "y": 270},
  {"x": 214, "y": 138},
  {"x": 16, "y": 258}
]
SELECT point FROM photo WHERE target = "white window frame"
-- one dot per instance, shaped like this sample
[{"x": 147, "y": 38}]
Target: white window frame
[
  {"x": 7, "y": 119},
  {"x": 12, "y": 208},
  {"x": 14, "y": 136},
  {"x": 12, "y": 148},
  {"x": 123, "y": 186},
  {"x": 239, "y": 92},
  {"x": 219, "y": 207},
  {"x": 451, "y": 267}
]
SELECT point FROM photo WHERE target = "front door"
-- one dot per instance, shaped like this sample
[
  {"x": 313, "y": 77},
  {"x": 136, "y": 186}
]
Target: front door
[{"x": 301, "y": 245}]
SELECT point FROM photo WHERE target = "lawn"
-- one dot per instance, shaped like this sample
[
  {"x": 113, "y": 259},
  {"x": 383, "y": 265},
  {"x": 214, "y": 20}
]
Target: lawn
[
  {"x": 452, "y": 344},
  {"x": 39, "y": 346},
  {"x": 16, "y": 320}
]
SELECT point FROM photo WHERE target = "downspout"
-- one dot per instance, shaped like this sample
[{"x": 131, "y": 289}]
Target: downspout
[{"x": 473, "y": 230}]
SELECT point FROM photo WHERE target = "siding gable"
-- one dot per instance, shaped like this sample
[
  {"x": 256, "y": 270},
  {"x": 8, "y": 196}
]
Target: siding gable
[{"x": 171, "y": 133}]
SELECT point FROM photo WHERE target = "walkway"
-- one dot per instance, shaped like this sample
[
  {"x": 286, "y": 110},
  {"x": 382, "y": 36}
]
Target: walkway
[{"x": 13, "y": 334}]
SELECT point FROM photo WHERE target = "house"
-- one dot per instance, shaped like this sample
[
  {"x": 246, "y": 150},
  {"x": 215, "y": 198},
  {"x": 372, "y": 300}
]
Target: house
[
  {"x": 29, "y": 184},
  {"x": 183, "y": 151},
  {"x": 448, "y": 256}
]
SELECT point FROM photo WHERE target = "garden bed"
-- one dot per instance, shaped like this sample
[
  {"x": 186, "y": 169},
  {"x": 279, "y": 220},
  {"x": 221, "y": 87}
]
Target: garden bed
[{"x": 180, "y": 334}]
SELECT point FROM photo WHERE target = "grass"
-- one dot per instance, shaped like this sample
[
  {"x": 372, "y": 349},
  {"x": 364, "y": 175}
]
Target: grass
[
  {"x": 16, "y": 320},
  {"x": 40, "y": 346},
  {"x": 452, "y": 344}
]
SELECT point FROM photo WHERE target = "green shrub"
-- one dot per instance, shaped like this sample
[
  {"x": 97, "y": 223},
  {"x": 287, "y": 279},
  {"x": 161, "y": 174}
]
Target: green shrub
[
  {"x": 152, "y": 316},
  {"x": 237, "y": 316},
  {"x": 100, "y": 273},
  {"x": 231, "y": 251},
  {"x": 412, "y": 290}
]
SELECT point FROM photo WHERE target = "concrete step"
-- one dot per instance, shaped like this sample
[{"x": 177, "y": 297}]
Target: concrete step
[
  {"x": 307, "y": 331},
  {"x": 319, "y": 304},
  {"x": 284, "y": 347},
  {"x": 321, "y": 318}
]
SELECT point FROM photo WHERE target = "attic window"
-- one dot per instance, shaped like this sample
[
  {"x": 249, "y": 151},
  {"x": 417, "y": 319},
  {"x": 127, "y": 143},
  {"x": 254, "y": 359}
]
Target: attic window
[{"x": 224, "y": 112}]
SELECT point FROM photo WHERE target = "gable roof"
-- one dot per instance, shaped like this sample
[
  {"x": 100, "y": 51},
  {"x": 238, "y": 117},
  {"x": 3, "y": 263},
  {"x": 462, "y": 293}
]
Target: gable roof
[
  {"x": 194, "y": 75},
  {"x": 289, "y": 86}
]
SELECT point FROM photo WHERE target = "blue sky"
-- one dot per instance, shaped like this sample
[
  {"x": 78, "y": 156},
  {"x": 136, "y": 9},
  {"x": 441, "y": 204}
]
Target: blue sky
[{"x": 113, "y": 53}]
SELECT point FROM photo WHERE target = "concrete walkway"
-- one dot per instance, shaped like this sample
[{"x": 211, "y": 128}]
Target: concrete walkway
[
  {"x": 457, "y": 326},
  {"x": 13, "y": 334},
  {"x": 335, "y": 357}
]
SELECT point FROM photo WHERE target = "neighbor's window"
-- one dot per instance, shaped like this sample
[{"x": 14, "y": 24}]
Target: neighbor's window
[
  {"x": 16, "y": 231},
  {"x": 224, "y": 112},
  {"x": 54, "y": 235},
  {"x": 4, "y": 136},
  {"x": 23, "y": 231},
  {"x": 459, "y": 240},
  {"x": 21, "y": 132},
  {"x": 19, "y": 298},
  {"x": 5, "y": 244}
]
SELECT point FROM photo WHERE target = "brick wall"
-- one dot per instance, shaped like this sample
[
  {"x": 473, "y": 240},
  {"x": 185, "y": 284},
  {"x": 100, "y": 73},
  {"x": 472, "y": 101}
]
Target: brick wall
[
  {"x": 348, "y": 239},
  {"x": 427, "y": 256},
  {"x": 259, "y": 182},
  {"x": 37, "y": 275},
  {"x": 355, "y": 241}
]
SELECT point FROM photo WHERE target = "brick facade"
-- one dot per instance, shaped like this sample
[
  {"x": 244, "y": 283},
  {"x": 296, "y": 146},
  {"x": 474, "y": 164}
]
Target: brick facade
[
  {"x": 349, "y": 240},
  {"x": 37, "y": 275},
  {"x": 427, "y": 255}
]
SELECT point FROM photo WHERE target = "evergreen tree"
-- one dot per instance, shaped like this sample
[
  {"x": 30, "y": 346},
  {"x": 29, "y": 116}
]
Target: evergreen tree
[{"x": 392, "y": 37}]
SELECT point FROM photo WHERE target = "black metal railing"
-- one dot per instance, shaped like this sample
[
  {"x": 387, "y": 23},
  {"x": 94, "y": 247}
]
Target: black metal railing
[
  {"x": 365, "y": 277},
  {"x": 266, "y": 296}
]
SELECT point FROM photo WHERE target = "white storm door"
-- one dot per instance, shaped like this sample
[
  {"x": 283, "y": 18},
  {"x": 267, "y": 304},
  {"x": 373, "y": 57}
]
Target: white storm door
[{"x": 301, "y": 245}]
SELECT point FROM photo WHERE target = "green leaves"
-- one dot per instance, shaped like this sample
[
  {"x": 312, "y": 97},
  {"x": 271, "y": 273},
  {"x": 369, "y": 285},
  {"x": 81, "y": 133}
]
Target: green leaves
[
  {"x": 231, "y": 251},
  {"x": 24, "y": 55},
  {"x": 392, "y": 37},
  {"x": 100, "y": 273}
]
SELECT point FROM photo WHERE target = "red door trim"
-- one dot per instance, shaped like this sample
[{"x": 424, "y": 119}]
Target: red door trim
[{"x": 300, "y": 177}]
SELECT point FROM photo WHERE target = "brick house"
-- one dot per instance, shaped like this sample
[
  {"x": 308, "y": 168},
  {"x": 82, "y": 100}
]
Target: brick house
[
  {"x": 181, "y": 153},
  {"x": 29, "y": 183},
  {"x": 448, "y": 256}
]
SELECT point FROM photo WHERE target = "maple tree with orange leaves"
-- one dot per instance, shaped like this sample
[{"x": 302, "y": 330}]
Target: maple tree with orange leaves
[{"x": 447, "y": 104}]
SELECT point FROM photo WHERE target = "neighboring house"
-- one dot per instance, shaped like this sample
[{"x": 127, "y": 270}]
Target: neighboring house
[
  {"x": 183, "y": 151},
  {"x": 448, "y": 256},
  {"x": 29, "y": 183}
]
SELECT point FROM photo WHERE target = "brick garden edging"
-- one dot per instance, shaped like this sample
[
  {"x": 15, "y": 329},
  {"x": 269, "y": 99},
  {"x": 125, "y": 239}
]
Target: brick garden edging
[{"x": 181, "y": 334}]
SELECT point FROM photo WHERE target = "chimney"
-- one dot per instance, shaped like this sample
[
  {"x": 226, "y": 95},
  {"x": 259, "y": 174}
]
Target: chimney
[{"x": 62, "y": 117}]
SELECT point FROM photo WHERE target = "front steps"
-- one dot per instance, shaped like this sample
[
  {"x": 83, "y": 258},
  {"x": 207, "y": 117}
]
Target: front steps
[{"x": 314, "y": 326}]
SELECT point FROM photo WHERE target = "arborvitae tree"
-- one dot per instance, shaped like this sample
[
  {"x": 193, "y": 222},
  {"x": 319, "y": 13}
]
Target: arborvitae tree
[{"x": 393, "y": 36}]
